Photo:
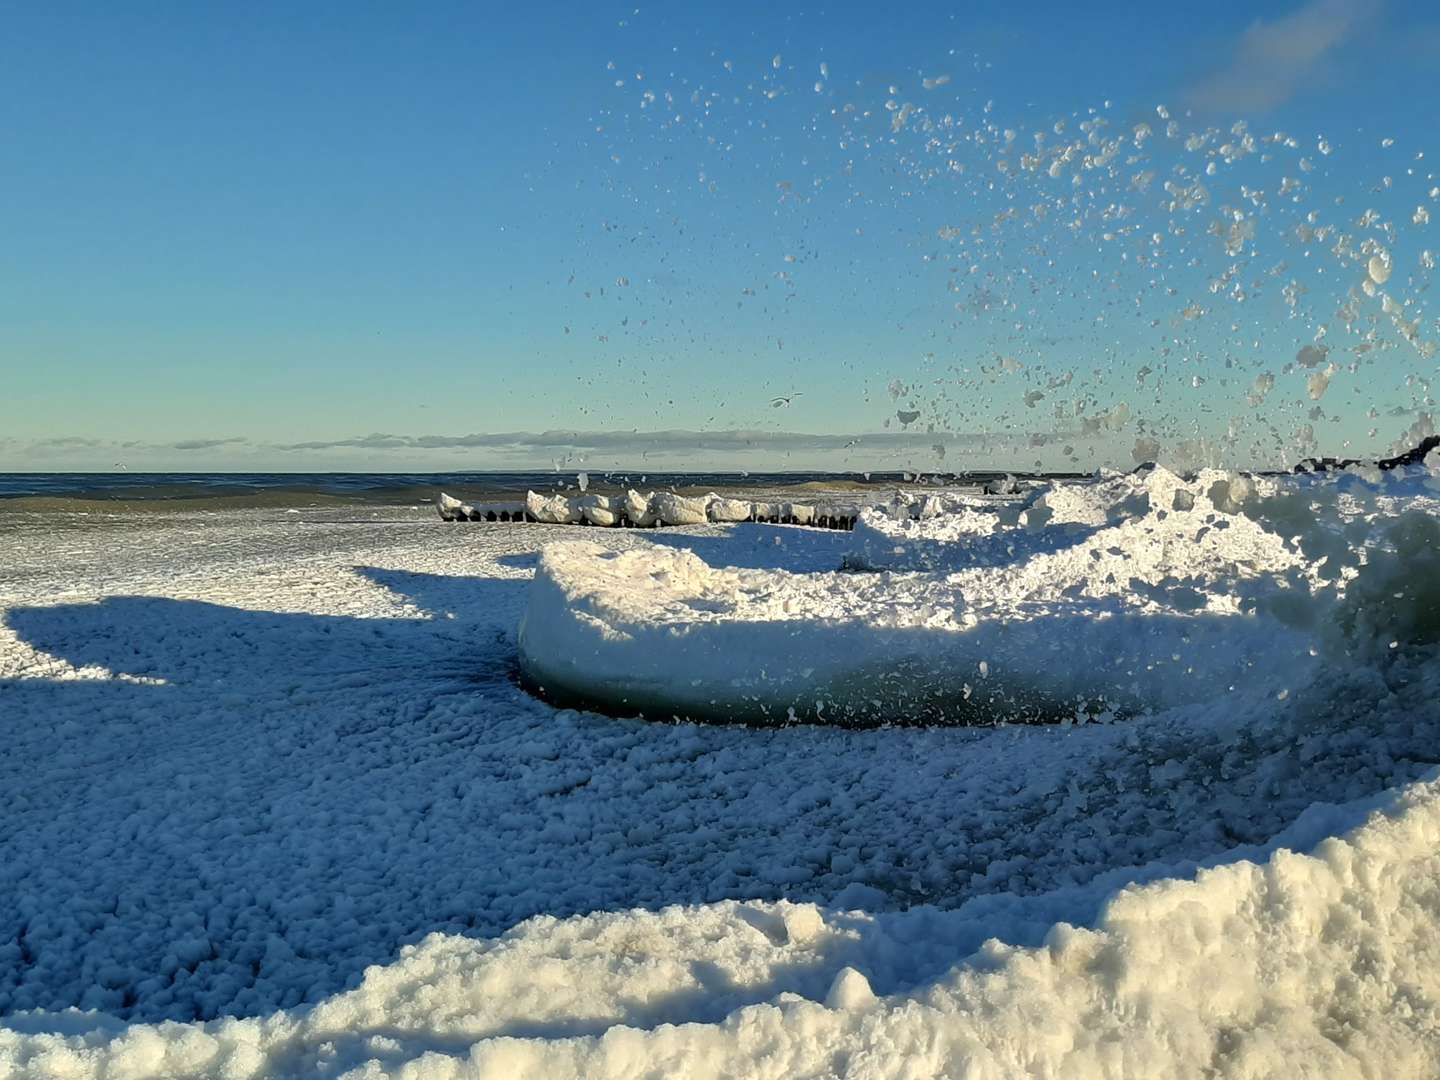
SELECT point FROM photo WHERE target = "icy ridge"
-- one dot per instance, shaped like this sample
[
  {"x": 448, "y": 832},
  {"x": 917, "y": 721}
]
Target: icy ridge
[
  {"x": 1135, "y": 593},
  {"x": 1249, "y": 970}
]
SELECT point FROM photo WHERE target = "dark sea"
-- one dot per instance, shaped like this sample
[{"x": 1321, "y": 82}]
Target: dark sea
[{"x": 294, "y": 489}]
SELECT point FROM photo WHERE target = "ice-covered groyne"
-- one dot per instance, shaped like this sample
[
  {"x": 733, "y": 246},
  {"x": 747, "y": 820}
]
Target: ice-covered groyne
[
  {"x": 655, "y": 509},
  {"x": 1127, "y": 594}
]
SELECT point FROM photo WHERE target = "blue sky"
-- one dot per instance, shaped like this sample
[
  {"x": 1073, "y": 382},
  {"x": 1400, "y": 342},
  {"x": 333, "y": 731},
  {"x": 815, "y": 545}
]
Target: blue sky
[{"x": 361, "y": 236}]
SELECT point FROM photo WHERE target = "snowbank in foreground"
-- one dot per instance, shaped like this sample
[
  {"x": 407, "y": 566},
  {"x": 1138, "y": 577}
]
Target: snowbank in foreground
[{"x": 1326, "y": 964}]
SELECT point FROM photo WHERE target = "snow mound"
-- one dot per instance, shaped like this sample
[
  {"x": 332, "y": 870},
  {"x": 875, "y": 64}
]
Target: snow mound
[
  {"x": 657, "y": 631},
  {"x": 671, "y": 509},
  {"x": 552, "y": 509},
  {"x": 1318, "y": 964},
  {"x": 1130, "y": 594},
  {"x": 600, "y": 509},
  {"x": 971, "y": 532},
  {"x": 730, "y": 510}
]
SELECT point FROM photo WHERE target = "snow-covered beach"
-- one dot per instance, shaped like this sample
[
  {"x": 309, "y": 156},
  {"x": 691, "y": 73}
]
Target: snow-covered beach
[{"x": 276, "y": 804}]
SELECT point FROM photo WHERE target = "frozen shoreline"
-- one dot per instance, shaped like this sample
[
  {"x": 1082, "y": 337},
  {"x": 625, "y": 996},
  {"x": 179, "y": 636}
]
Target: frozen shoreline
[{"x": 253, "y": 756}]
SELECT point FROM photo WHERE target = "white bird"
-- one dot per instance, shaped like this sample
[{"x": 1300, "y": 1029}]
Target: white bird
[{"x": 781, "y": 402}]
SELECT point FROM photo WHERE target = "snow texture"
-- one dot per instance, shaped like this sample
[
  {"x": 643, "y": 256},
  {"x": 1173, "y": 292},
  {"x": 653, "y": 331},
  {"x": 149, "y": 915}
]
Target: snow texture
[
  {"x": 1134, "y": 594},
  {"x": 274, "y": 806}
]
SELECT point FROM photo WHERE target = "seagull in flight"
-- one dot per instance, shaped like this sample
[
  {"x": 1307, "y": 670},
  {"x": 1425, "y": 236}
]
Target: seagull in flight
[{"x": 784, "y": 402}]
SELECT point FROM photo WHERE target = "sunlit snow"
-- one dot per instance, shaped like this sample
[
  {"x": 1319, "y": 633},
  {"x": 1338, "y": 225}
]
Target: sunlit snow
[{"x": 276, "y": 804}]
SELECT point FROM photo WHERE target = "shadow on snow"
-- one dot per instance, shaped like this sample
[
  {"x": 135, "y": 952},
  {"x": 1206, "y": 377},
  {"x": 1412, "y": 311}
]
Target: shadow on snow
[{"x": 299, "y": 795}]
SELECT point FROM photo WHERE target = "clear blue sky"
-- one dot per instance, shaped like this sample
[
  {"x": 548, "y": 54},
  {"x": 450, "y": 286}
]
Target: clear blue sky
[{"x": 264, "y": 236}]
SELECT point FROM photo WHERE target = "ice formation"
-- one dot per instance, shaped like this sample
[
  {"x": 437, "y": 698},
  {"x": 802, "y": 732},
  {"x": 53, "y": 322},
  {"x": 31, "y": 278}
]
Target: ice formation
[
  {"x": 644, "y": 511},
  {"x": 250, "y": 760},
  {"x": 1132, "y": 593},
  {"x": 552, "y": 509},
  {"x": 1320, "y": 964},
  {"x": 672, "y": 509}
]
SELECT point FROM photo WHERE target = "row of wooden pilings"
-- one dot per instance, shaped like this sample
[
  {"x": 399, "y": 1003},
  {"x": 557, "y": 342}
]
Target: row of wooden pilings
[{"x": 519, "y": 514}]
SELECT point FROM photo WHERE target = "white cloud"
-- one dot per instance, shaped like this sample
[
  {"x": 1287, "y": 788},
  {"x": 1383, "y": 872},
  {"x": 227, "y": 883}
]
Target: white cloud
[
  {"x": 662, "y": 442},
  {"x": 524, "y": 450},
  {"x": 1276, "y": 59}
]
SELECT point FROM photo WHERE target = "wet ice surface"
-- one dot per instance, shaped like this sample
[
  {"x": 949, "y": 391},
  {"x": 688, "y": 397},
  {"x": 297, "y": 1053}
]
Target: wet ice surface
[{"x": 250, "y": 754}]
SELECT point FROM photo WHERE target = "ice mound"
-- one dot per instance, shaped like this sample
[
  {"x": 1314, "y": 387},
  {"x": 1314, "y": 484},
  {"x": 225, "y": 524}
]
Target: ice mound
[
  {"x": 723, "y": 510},
  {"x": 668, "y": 508},
  {"x": 638, "y": 510},
  {"x": 657, "y": 631},
  {"x": 552, "y": 509},
  {"x": 671, "y": 509},
  {"x": 600, "y": 509},
  {"x": 1131, "y": 593},
  {"x": 976, "y": 532}
]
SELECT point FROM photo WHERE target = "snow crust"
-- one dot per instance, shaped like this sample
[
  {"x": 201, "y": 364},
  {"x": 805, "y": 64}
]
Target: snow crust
[
  {"x": 1321, "y": 964},
  {"x": 275, "y": 808}
]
